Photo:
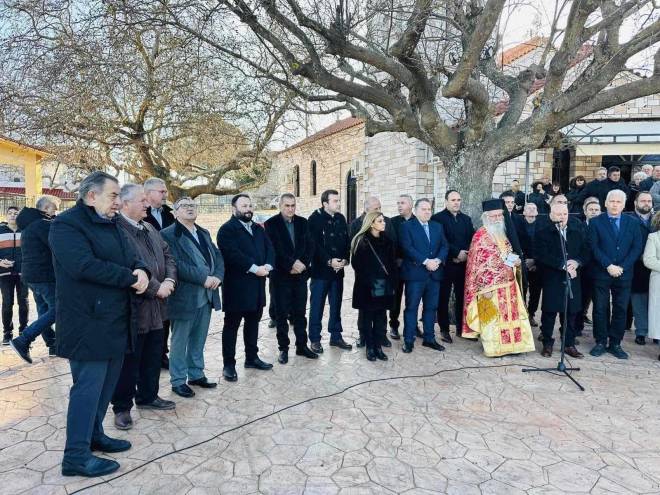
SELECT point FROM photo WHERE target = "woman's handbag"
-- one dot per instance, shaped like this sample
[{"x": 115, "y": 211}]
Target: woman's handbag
[{"x": 380, "y": 287}]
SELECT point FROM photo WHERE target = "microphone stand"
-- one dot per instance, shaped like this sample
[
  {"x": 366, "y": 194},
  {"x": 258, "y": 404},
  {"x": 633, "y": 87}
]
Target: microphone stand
[{"x": 568, "y": 294}]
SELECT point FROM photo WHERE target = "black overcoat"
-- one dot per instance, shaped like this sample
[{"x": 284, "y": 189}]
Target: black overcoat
[
  {"x": 367, "y": 269},
  {"x": 286, "y": 253},
  {"x": 94, "y": 263},
  {"x": 550, "y": 263},
  {"x": 242, "y": 290}
]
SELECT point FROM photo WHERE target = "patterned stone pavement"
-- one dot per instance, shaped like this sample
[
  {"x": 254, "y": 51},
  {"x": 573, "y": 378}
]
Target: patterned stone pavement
[{"x": 484, "y": 429}]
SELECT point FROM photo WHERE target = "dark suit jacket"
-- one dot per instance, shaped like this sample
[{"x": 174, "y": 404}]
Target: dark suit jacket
[
  {"x": 285, "y": 252},
  {"x": 458, "y": 231},
  {"x": 641, "y": 274},
  {"x": 168, "y": 218},
  {"x": 611, "y": 249},
  {"x": 526, "y": 240},
  {"x": 242, "y": 290},
  {"x": 417, "y": 248},
  {"x": 550, "y": 264},
  {"x": 192, "y": 270},
  {"x": 397, "y": 222}
]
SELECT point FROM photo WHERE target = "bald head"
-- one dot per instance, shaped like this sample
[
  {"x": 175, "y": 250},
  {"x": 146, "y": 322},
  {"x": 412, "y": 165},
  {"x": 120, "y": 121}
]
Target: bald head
[{"x": 559, "y": 213}]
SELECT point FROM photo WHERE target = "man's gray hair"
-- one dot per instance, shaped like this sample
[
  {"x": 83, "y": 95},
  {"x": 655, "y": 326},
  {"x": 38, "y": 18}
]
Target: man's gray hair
[
  {"x": 128, "y": 191},
  {"x": 616, "y": 192},
  {"x": 287, "y": 196},
  {"x": 94, "y": 182},
  {"x": 370, "y": 200},
  {"x": 45, "y": 201},
  {"x": 178, "y": 201},
  {"x": 639, "y": 177},
  {"x": 152, "y": 183},
  {"x": 408, "y": 197}
]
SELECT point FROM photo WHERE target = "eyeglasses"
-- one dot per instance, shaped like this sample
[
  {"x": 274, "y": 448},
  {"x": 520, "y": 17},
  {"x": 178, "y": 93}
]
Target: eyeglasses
[{"x": 187, "y": 205}]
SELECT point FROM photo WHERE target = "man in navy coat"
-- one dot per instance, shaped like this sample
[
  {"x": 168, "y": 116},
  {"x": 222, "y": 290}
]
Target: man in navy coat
[
  {"x": 616, "y": 241},
  {"x": 425, "y": 253},
  {"x": 249, "y": 258}
]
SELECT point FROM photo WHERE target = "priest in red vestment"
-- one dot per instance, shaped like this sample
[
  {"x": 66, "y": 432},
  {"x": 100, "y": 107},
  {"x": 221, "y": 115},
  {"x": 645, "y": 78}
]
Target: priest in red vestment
[{"x": 494, "y": 309}]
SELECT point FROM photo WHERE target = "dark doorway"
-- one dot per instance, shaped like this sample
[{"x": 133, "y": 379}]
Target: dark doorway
[
  {"x": 561, "y": 168},
  {"x": 627, "y": 163},
  {"x": 351, "y": 196}
]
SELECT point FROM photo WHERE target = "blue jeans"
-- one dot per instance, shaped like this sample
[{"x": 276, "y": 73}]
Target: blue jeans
[
  {"x": 44, "y": 297},
  {"x": 319, "y": 289},
  {"x": 93, "y": 385},
  {"x": 640, "y": 307},
  {"x": 427, "y": 292},
  {"x": 187, "y": 346}
]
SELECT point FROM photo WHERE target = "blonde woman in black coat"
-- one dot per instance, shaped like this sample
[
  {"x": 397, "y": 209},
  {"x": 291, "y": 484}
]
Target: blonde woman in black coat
[{"x": 373, "y": 259}]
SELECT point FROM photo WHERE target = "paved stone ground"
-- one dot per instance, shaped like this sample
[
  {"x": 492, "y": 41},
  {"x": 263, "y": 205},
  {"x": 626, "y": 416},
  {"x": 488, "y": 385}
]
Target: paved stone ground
[{"x": 491, "y": 430}]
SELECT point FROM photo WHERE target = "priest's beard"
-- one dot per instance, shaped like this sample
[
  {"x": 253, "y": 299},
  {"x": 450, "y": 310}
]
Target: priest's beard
[{"x": 497, "y": 231}]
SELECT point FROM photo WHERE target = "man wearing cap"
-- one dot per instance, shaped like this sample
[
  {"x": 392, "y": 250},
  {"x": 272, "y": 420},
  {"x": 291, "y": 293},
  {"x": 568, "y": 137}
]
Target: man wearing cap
[{"x": 494, "y": 308}]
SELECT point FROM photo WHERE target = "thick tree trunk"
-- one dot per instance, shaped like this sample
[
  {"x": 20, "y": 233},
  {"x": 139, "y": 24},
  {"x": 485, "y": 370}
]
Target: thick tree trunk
[{"x": 471, "y": 174}]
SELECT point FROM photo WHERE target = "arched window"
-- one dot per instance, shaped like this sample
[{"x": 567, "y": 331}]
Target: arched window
[
  {"x": 296, "y": 181},
  {"x": 312, "y": 174}
]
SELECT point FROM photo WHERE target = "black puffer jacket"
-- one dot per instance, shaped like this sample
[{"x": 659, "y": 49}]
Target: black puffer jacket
[{"x": 37, "y": 264}]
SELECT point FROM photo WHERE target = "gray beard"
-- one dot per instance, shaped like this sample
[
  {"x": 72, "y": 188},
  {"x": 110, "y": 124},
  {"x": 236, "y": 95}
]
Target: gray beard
[{"x": 496, "y": 230}]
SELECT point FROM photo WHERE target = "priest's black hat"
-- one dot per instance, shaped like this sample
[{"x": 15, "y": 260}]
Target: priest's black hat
[{"x": 492, "y": 205}]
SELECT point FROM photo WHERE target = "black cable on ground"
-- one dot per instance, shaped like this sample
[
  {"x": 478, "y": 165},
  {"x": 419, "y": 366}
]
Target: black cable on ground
[{"x": 291, "y": 406}]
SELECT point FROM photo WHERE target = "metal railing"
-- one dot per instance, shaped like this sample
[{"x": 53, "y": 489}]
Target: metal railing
[{"x": 615, "y": 138}]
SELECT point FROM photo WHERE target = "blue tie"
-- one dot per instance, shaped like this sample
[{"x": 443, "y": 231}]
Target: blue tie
[
  {"x": 426, "y": 229},
  {"x": 615, "y": 225}
]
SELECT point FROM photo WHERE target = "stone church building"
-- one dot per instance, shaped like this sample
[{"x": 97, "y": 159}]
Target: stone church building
[{"x": 341, "y": 157}]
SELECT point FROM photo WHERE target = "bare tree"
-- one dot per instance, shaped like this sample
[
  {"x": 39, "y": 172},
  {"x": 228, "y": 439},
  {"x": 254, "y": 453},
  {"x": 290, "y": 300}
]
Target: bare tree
[
  {"x": 110, "y": 92},
  {"x": 430, "y": 69}
]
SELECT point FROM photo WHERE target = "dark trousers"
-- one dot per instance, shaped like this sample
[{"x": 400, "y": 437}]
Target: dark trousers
[
  {"x": 374, "y": 325},
  {"x": 453, "y": 276},
  {"x": 141, "y": 369},
  {"x": 250, "y": 335},
  {"x": 272, "y": 312},
  {"x": 534, "y": 287},
  {"x": 290, "y": 296},
  {"x": 606, "y": 326},
  {"x": 10, "y": 285},
  {"x": 396, "y": 308},
  {"x": 548, "y": 319},
  {"x": 427, "y": 293},
  {"x": 166, "y": 337},
  {"x": 319, "y": 290},
  {"x": 93, "y": 385}
]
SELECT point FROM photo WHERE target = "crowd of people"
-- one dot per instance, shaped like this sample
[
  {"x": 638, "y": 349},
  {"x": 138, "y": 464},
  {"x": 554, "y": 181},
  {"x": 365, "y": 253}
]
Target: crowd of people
[{"x": 131, "y": 284}]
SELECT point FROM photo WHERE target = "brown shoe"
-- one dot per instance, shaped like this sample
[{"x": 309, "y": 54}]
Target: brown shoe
[
  {"x": 547, "y": 351},
  {"x": 573, "y": 352}
]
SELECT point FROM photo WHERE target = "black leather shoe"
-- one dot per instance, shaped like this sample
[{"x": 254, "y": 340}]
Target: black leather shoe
[
  {"x": 158, "y": 404},
  {"x": 123, "y": 420},
  {"x": 588, "y": 321},
  {"x": 433, "y": 345},
  {"x": 407, "y": 347},
  {"x": 317, "y": 347},
  {"x": 640, "y": 340},
  {"x": 202, "y": 382},
  {"x": 283, "y": 358},
  {"x": 386, "y": 342},
  {"x": 445, "y": 337},
  {"x": 306, "y": 352},
  {"x": 183, "y": 391},
  {"x": 359, "y": 344},
  {"x": 229, "y": 373},
  {"x": 272, "y": 323},
  {"x": 547, "y": 351},
  {"x": 371, "y": 354},
  {"x": 22, "y": 349},
  {"x": 617, "y": 351},
  {"x": 258, "y": 364},
  {"x": 533, "y": 322},
  {"x": 598, "y": 350},
  {"x": 110, "y": 445},
  {"x": 394, "y": 334},
  {"x": 380, "y": 354},
  {"x": 93, "y": 467},
  {"x": 341, "y": 344}
]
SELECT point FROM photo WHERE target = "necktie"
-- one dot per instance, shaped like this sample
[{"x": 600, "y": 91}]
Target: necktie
[
  {"x": 615, "y": 226},
  {"x": 426, "y": 229}
]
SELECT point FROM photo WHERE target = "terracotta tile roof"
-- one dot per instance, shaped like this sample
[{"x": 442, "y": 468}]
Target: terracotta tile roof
[
  {"x": 58, "y": 193},
  {"x": 25, "y": 145},
  {"x": 507, "y": 57},
  {"x": 583, "y": 53},
  {"x": 340, "y": 125}
]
